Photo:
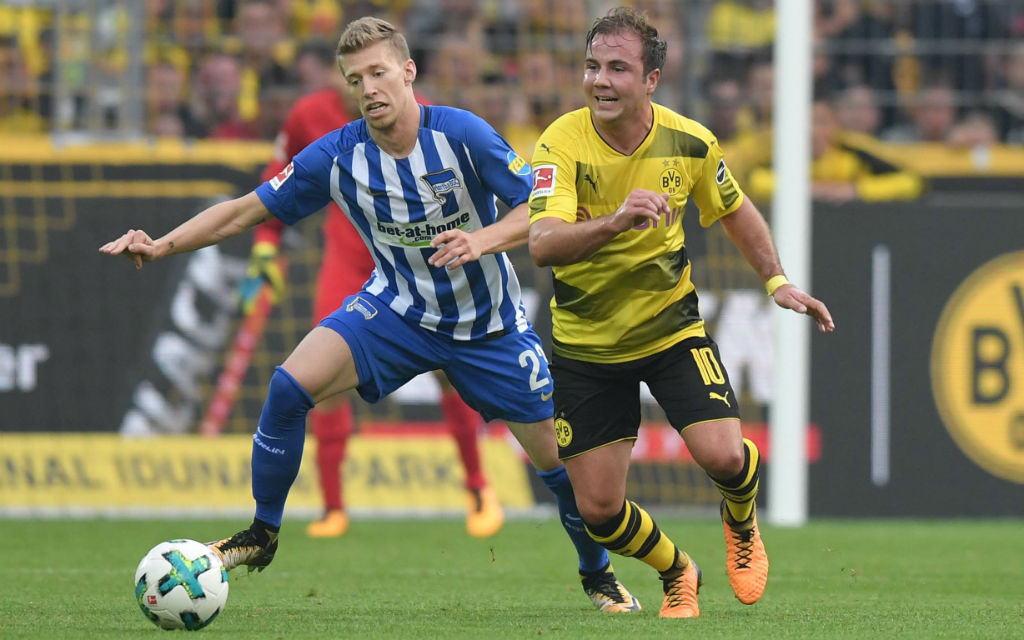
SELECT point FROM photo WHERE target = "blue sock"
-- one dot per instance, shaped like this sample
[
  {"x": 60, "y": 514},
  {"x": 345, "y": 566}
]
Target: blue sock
[
  {"x": 277, "y": 445},
  {"x": 593, "y": 557}
]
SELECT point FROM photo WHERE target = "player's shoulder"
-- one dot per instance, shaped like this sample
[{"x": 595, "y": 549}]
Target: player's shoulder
[
  {"x": 455, "y": 122},
  {"x": 564, "y": 136},
  {"x": 350, "y": 136},
  {"x": 341, "y": 141},
  {"x": 572, "y": 125},
  {"x": 685, "y": 128}
]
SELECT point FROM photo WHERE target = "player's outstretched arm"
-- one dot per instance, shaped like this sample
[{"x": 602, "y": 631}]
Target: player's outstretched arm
[
  {"x": 556, "y": 242},
  {"x": 456, "y": 247},
  {"x": 748, "y": 230},
  {"x": 210, "y": 226}
]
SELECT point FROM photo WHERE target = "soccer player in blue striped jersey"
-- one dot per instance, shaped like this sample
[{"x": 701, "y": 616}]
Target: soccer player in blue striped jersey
[{"x": 421, "y": 186}]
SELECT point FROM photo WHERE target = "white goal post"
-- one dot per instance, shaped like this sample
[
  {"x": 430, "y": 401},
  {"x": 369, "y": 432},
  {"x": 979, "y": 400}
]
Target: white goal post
[{"x": 787, "y": 478}]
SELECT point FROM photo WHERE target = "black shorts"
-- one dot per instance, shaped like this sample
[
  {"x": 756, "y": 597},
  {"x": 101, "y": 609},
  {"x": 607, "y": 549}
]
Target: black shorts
[{"x": 597, "y": 404}]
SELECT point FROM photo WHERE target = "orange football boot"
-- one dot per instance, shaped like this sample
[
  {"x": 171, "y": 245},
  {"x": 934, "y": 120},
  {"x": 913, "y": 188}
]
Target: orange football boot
[
  {"x": 333, "y": 524},
  {"x": 746, "y": 561},
  {"x": 484, "y": 515},
  {"x": 681, "y": 593}
]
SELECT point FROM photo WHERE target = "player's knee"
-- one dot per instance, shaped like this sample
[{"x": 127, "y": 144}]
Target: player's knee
[
  {"x": 596, "y": 511},
  {"x": 725, "y": 462},
  {"x": 285, "y": 396}
]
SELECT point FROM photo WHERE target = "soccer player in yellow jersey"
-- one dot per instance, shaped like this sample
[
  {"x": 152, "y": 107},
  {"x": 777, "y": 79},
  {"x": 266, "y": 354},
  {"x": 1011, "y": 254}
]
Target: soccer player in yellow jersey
[{"x": 610, "y": 184}]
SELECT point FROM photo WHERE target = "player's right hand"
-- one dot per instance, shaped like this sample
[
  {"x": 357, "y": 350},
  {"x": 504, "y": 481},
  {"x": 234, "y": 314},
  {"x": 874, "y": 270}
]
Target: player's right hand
[
  {"x": 640, "y": 206},
  {"x": 263, "y": 269},
  {"x": 135, "y": 244}
]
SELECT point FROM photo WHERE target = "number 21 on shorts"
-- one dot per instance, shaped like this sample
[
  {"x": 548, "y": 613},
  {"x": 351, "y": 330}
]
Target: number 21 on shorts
[{"x": 531, "y": 359}]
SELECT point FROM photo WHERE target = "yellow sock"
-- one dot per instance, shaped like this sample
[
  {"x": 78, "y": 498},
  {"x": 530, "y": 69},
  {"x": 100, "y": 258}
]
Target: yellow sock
[
  {"x": 636, "y": 534},
  {"x": 739, "y": 492}
]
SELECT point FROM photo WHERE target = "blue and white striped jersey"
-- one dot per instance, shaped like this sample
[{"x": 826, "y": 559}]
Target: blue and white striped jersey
[{"x": 460, "y": 165}]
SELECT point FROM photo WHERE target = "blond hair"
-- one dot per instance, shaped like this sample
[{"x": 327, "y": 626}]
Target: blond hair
[{"x": 361, "y": 33}]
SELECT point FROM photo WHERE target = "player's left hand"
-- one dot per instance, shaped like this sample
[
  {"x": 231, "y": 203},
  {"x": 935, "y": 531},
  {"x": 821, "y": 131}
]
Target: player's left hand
[
  {"x": 790, "y": 297},
  {"x": 135, "y": 244},
  {"x": 455, "y": 248}
]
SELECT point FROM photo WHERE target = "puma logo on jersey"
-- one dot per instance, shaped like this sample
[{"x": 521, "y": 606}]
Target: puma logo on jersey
[
  {"x": 716, "y": 396},
  {"x": 545, "y": 147},
  {"x": 593, "y": 183}
]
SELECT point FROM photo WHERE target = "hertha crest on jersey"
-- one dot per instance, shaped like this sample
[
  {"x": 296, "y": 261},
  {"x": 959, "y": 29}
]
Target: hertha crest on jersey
[
  {"x": 544, "y": 181},
  {"x": 284, "y": 174},
  {"x": 442, "y": 183}
]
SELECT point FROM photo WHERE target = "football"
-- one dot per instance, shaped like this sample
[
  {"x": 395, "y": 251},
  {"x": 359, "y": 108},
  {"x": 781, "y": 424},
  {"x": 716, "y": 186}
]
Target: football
[{"x": 181, "y": 584}]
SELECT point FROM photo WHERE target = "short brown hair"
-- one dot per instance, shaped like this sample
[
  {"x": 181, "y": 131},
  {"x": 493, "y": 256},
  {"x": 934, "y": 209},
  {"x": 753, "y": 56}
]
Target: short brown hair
[
  {"x": 367, "y": 31},
  {"x": 629, "y": 20}
]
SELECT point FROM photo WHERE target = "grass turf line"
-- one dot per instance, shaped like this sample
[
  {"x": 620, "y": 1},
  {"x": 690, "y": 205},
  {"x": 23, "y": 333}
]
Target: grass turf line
[{"x": 426, "y": 579}]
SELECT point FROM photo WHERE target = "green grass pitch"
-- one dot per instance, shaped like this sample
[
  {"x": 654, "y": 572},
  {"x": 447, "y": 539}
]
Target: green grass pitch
[{"x": 425, "y": 579}]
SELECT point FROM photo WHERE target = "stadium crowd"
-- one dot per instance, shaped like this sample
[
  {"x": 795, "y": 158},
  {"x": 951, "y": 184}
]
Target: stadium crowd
[{"x": 910, "y": 71}]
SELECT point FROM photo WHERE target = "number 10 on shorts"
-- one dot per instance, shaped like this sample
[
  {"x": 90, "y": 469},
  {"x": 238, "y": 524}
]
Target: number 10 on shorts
[{"x": 710, "y": 370}]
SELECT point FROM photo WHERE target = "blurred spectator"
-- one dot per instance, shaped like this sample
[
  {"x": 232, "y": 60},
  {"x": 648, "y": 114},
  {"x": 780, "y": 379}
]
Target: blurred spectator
[
  {"x": 884, "y": 60},
  {"x": 751, "y": 145},
  {"x": 217, "y": 87},
  {"x": 665, "y": 17},
  {"x": 430, "y": 22},
  {"x": 1009, "y": 98},
  {"x": 541, "y": 85},
  {"x": 725, "y": 100},
  {"x": 261, "y": 26},
  {"x": 451, "y": 72},
  {"x": 932, "y": 114},
  {"x": 857, "y": 110},
  {"x": 166, "y": 125},
  {"x": 264, "y": 51},
  {"x": 976, "y": 130},
  {"x": 761, "y": 92},
  {"x": 316, "y": 65},
  {"x": 843, "y": 167},
  {"x": 824, "y": 77},
  {"x": 952, "y": 37},
  {"x": 276, "y": 99},
  {"x": 740, "y": 31},
  {"x": 545, "y": 23},
  {"x": 832, "y": 18},
  {"x": 166, "y": 101},
  {"x": 491, "y": 100},
  {"x": 194, "y": 25},
  {"x": 19, "y": 91},
  {"x": 317, "y": 19},
  {"x": 848, "y": 27}
]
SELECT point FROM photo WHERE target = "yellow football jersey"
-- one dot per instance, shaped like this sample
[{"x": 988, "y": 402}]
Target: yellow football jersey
[{"x": 633, "y": 297}]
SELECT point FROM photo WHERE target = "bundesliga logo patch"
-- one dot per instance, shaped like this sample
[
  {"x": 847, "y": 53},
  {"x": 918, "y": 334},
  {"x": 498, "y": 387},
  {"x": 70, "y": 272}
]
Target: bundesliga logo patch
[
  {"x": 278, "y": 180},
  {"x": 544, "y": 181}
]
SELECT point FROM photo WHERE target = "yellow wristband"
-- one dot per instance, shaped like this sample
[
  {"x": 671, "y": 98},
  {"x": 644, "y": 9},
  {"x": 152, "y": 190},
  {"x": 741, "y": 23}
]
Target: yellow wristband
[{"x": 774, "y": 283}]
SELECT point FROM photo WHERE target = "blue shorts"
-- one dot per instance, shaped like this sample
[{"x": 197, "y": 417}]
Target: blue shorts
[{"x": 504, "y": 377}]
